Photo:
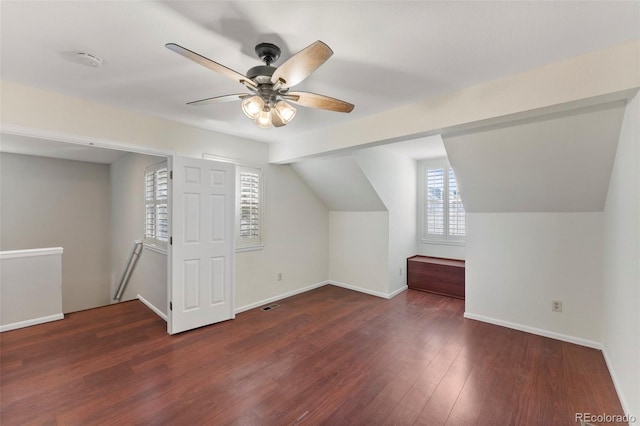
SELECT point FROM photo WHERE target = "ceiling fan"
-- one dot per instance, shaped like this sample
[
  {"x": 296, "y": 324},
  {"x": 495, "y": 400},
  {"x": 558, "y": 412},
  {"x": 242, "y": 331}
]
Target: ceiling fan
[{"x": 268, "y": 103}]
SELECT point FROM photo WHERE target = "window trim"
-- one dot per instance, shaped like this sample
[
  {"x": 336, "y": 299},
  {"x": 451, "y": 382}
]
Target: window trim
[
  {"x": 425, "y": 237},
  {"x": 154, "y": 243},
  {"x": 255, "y": 244}
]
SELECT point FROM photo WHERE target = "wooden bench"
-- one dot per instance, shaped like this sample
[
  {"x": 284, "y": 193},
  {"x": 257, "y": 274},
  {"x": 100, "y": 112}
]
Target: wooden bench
[{"x": 436, "y": 275}]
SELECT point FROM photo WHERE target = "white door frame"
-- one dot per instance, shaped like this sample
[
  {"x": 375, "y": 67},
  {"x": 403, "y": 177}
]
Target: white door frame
[{"x": 18, "y": 130}]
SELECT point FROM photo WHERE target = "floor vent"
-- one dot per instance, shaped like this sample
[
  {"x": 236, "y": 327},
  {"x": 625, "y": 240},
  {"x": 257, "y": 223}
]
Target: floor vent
[{"x": 271, "y": 307}]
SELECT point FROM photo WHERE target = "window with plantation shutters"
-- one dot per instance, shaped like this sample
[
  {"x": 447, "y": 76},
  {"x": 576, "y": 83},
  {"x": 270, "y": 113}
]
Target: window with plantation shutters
[
  {"x": 444, "y": 212},
  {"x": 156, "y": 222},
  {"x": 249, "y": 206}
]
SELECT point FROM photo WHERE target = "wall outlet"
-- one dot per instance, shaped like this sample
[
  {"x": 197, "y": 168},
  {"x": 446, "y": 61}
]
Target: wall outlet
[
  {"x": 556, "y": 305},
  {"x": 279, "y": 276},
  {"x": 400, "y": 271}
]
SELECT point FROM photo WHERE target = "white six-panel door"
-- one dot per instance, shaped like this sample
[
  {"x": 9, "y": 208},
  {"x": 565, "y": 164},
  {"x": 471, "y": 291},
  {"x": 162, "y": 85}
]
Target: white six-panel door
[{"x": 203, "y": 200}]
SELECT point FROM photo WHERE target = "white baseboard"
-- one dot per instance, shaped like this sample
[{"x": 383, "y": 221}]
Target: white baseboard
[
  {"x": 28, "y": 323},
  {"x": 367, "y": 291},
  {"x": 540, "y": 332},
  {"x": 397, "y": 292},
  {"x": 279, "y": 297},
  {"x": 153, "y": 308},
  {"x": 616, "y": 382}
]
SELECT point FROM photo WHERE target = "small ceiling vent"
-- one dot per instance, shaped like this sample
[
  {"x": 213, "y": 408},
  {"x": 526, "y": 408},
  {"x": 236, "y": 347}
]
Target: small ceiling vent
[{"x": 87, "y": 59}]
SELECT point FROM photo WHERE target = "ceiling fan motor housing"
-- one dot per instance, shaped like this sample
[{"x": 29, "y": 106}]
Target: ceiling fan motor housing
[
  {"x": 268, "y": 53},
  {"x": 261, "y": 74}
]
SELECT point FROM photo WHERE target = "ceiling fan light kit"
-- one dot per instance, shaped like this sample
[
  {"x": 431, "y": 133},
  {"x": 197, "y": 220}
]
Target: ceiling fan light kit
[
  {"x": 285, "y": 111},
  {"x": 262, "y": 106},
  {"x": 264, "y": 120},
  {"x": 252, "y": 106},
  {"x": 267, "y": 103}
]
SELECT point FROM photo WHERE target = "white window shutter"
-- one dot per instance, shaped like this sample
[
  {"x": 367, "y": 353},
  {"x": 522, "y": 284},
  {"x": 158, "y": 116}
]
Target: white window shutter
[
  {"x": 456, "y": 209},
  {"x": 249, "y": 205},
  {"x": 156, "y": 221},
  {"x": 435, "y": 200},
  {"x": 162, "y": 222}
]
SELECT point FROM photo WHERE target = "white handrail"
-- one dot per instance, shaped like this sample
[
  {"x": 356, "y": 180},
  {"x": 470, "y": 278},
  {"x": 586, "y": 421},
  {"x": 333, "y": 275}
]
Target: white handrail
[
  {"x": 12, "y": 254},
  {"x": 131, "y": 263}
]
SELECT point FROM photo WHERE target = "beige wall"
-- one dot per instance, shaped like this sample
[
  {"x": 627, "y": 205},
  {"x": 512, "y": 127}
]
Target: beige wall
[{"x": 47, "y": 202}]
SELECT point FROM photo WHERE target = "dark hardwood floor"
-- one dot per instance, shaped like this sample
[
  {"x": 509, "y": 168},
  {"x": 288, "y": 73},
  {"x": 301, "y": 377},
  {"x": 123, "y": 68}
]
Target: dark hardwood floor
[{"x": 329, "y": 356}]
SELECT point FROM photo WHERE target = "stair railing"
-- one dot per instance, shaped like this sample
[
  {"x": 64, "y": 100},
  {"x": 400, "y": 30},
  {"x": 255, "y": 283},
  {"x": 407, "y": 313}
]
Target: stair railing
[{"x": 131, "y": 263}]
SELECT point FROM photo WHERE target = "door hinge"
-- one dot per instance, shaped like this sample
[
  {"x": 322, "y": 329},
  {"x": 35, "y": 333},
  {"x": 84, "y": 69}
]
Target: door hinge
[
  {"x": 170, "y": 241},
  {"x": 171, "y": 306},
  {"x": 171, "y": 174}
]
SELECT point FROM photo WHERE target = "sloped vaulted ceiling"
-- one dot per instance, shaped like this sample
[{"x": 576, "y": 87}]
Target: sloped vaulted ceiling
[
  {"x": 340, "y": 183},
  {"x": 550, "y": 164}
]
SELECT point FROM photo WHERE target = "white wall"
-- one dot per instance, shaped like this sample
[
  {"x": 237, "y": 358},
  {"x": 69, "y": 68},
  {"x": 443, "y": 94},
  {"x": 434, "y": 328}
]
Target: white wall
[
  {"x": 448, "y": 251},
  {"x": 149, "y": 278},
  {"x": 296, "y": 242},
  {"x": 393, "y": 177},
  {"x": 621, "y": 285},
  {"x": 359, "y": 251},
  {"x": 517, "y": 263},
  {"x": 47, "y": 202}
]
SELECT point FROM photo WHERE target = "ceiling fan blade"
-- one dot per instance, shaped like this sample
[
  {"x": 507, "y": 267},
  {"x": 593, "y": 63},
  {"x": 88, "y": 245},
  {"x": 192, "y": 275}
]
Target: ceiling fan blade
[
  {"x": 302, "y": 64},
  {"x": 313, "y": 100},
  {"x": 276, "y": 120},
  {"x": 220, "y": 99},
  {"x": 212, "y": 65}
]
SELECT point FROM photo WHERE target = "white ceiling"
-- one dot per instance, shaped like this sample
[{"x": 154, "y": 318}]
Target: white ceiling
[
  {"x": 387, "y": 53},
  {"x": 559, "y": 163}
]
